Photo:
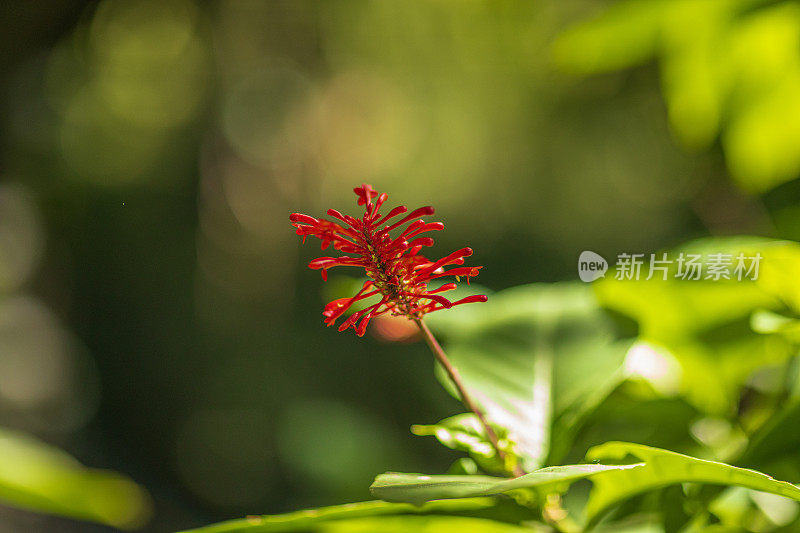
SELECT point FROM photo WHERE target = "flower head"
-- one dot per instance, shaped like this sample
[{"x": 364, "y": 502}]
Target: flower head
[{"x": 398, "y": 273}]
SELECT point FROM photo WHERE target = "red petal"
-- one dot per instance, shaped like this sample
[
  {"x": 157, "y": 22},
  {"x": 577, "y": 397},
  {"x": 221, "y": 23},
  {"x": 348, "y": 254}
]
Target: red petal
[
  {"x": 443, "y": 288},
  {"x": 399, "y": 210},
  {"x": 303, "y": 219},
  {"x": 421, "y": 212},
  {"x": 472, "y": 299},
  {"x": 454, "y": 257},
  {"x": 347, "y": 219}
]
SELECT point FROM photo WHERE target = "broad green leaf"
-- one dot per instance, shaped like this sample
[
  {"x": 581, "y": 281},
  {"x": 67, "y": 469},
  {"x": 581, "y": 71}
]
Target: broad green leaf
[
  {"x": 38, "y": 477},
  {"x": 531, "y": 355},
  {"x": 706, "y": 324},
  {"x": 418, "y": 488},
  {"x": 313, "y": 518},
  {"x": 662, "y": 468}
]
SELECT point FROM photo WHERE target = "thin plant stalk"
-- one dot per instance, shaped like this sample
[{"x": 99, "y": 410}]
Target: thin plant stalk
[{"x": 466, "y": 399}]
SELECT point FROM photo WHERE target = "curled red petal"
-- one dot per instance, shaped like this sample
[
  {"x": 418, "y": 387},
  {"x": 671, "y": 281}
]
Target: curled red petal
[
  {"x": 380, "y": 201},
  {"x": 472, "y": 299},
  {"x": 458, "y": 271},
  {"x": 456, "y": 257},
  {"x": 435, "y": 297},
  {"x": 420, "y": 212},
  {"x": 421, "y": 241},
  {"x": 303, "y": 219},
  {"x": 444, "y": 288},
  {"x": 399, "y": 210},
  {"x": 347, "y": 219},
  {"x": 362, "y": 326},
  {"x": 422, "y": 228}
]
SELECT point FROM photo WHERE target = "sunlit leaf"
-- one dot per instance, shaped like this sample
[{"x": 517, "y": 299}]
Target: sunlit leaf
[
  {"x": 423, "y": 524},
  {"x": 662, "y": 468},
  {"x": 41, "y": 478},
  {"x": 727, "y": 66},
  {"x": 312, "y": 519},
  {"x": 419, "y": 488},
  {"x": 706, "y": 323},
  {"x": 770, "y": 323},
  {"x": 465, "y": 433}
]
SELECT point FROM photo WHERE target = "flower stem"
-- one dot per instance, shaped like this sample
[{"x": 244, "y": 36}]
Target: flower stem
[{"x": 466, "y": 399}]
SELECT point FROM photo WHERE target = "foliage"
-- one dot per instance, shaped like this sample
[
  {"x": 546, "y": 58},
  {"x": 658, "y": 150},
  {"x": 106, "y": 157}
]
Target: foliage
[
  {"x": 41, "y": 478},
  {"x": 554, "y": 365},
  {"x": 728, "y": 67},
  {"x": 189, "y": 302},
  {"x": 418, "y": 489},
  {"x": 302, "y": 520}
]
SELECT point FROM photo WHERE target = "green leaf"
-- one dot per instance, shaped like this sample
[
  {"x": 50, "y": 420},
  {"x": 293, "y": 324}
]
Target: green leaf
[
  {"x": 662, "y": 468},
  {"x": 531, "y": 355},
  {"x": 706, "y": 324},
  {"x": 727, "y": 67},
  {"x": 315, "y": 518},
  {"x": 631, "y": 415},
  {"x": 422, "y": 524},
  {"x": 464, "y": 432},
  {"x": 418, "y": 488},
  {"x": 38, "y": 477},
  {"x": 623, "y": 36},
  {"x": 777, "y": 441}
]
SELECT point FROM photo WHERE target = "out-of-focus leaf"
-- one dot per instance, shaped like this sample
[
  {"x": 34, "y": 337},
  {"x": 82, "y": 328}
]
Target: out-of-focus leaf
[
  {"x": 627, "y": 415},
  {"x": 463, "y": 466},
  {"x": 732, "y": 507},
  {"x": 38, "y": 477},
  {"x": 422, "y": 524},
  {"x": 531, "y": 355},
  {"x": 763, "y": 69},
  {"x": 623, "y": 36},
  {"x": 705, "y": 323},
  {"x": 465, "y": 433},
  {"x": 779, "y": 438},
  {"x": 780, "y": 511},
  {"x": 662, "y": 468},
  {"x": 778, "y": 275},
  {"x": 769, "y": 323},
  {"x": 312, "y": 519},
  {"x": 718, "y": 528},
  {"x": 641, "y": 523},
  {"x": 727, "y": 66},
  {"x": 419, "y": 488}
]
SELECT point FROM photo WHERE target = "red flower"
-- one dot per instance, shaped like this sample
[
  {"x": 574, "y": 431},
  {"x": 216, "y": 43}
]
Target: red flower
[{"x": 398, "y": 272}]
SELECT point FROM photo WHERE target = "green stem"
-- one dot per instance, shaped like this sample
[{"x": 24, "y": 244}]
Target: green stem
[{"x": 466, "y": 399}]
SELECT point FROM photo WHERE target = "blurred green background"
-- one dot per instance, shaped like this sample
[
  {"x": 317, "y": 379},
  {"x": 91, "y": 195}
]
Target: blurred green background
[{"x": 156, "y": 315}]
